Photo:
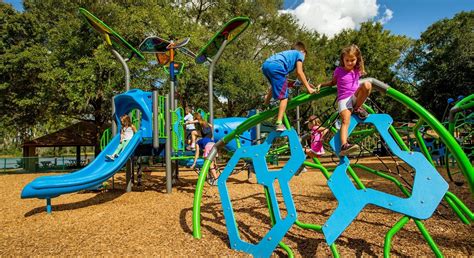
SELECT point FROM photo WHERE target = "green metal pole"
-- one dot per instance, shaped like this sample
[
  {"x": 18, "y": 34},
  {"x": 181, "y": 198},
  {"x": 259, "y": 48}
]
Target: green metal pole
[
  {"x": 334, "y": 251},
  {"x": 320, "y": 167},
  {"x": 461, "y": 205},
  {"x": 421, "y": 141},
  {"x": 428, "y": 238},
  {"x": 456, "y": 210},
  {"x": 383, "y": 175},
  {"x": 197, "y": 200},
  {"x": 355, "y": 177},
  {"x": 388, "y": 237},
  {"x": 443, "y": 133},
  {"x": 272, "y": 221},
  {"x": 286, "y": 121},
  {"x": 317, "y": 228}
]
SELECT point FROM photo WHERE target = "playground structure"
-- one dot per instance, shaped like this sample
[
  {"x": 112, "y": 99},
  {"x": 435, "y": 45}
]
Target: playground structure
[
  {"x": 232, "y": 135},
  {"x": 148, "y": 109},
  {"x": 422, "y": 197}
]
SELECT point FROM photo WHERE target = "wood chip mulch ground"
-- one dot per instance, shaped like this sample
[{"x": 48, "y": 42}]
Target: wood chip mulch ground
[{"x": 149, "y": 222}]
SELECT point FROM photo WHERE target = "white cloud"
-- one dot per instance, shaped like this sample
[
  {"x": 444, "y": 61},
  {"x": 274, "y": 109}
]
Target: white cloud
[
  {"x": 330, "y": 17},
  {"x": 387, "y": 16}
]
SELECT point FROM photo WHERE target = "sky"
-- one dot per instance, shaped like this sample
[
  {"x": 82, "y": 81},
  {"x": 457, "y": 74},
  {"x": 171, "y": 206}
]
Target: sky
[{"x": 401, "y": 17}]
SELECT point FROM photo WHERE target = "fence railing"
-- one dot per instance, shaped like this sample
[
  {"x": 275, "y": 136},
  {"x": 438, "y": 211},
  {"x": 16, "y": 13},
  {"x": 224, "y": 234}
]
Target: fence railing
[{"x": 42, "y": 164}]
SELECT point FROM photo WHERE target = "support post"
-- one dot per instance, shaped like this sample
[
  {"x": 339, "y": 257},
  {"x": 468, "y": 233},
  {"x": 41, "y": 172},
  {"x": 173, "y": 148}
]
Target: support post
[
  {"x": 210, "y": 79},
  {"x": 114, "y": 123},
  {"x": 257, "y": 130},
  {"x": 48, "y": 205},
  {"x": 168, "y": 144},
  {"x": 127, "y": 85},
  {"x": 78, "y": 156},
  {"x": 156, "y": 140},
  {"x": 129, "y": 175}
]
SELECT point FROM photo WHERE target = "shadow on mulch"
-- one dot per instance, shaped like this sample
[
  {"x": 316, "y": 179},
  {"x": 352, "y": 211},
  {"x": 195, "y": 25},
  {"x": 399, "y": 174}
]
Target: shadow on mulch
[{"x": 102, "y": 197}]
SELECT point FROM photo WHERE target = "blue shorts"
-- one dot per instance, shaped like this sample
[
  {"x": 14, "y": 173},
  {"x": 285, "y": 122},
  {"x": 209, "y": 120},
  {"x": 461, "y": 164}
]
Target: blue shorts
[{"x": 276, "y": 75}]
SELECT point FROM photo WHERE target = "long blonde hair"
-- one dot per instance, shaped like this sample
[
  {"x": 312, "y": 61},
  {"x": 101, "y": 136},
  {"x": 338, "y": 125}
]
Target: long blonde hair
[
  {"x": 127, "y": 122},
  {"x": 353, "y": 50},
  {"x": 203, "y": 123}
]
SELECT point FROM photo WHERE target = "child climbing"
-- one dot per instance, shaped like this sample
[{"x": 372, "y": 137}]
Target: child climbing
[
  {"x": 350, "y": 95},
  {"x": 126, "y": 134},
  {"x": 276, "y": 68},
  {"x": 317, "y": 137},
  {"x": 191, "y": 133},
  {"x": 204, "y": 128},
  {"x": 206, "y": 145}
]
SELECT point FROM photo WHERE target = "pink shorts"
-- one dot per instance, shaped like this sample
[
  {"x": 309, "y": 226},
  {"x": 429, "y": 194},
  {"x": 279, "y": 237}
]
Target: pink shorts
[{"x": 207, "y": 149}]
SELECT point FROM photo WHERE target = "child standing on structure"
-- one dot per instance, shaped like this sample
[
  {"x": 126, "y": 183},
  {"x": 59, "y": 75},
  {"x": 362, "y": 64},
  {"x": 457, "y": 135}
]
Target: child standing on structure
[
  {"x": 350, "y": 95},
  {"x": 126, "y": 134},
  {"x": 317, "y": 136},
  {"x": 205, "y": 143},
  {"x": 190, "y": 129},
  {"x": 276, "y": 68}
]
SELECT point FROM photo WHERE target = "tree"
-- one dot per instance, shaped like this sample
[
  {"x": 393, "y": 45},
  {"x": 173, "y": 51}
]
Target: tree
[{"x": 442, "y": 61}]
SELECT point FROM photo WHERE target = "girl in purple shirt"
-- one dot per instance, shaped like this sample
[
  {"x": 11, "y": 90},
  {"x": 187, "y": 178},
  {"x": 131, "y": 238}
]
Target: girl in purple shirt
[{"x": 350, "y": 95}]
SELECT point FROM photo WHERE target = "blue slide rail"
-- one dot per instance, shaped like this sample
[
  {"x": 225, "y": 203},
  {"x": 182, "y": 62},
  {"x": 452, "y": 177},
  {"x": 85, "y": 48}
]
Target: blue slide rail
[{"x": 90, "y": 177}]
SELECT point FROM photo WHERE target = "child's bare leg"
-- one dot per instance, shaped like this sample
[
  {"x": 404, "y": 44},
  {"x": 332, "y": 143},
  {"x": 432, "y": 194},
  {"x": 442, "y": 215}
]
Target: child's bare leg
[
  {"x": 193, "y": 138},
  {"x": 281, "y": 110},
  {"x": 213, "y": 170},
  {"x": 345, "y": 120},
  {"x": 362, "y": 93},
  {"x": 310, "y": 154}
]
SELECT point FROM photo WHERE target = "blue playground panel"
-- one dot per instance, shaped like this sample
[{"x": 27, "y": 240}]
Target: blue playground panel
[
  {"x": 266, "y": 178},
  {"x": 429, "y": 187}
]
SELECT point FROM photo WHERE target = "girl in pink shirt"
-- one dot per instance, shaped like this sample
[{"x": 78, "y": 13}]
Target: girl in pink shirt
[
  {"x": 317, "y": 134},
  {"x": 350, "y": 95}
]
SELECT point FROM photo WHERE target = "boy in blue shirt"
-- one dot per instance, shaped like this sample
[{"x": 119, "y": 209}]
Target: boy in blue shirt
[{"x": 276, "y": 68}]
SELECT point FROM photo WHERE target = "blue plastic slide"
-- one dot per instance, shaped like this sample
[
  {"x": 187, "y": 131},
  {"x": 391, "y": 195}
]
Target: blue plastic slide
[{"x": 90, "y": 177}]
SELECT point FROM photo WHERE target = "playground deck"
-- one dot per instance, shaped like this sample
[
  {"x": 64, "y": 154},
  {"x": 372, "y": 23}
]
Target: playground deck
[{"x": 152, "y": 223}]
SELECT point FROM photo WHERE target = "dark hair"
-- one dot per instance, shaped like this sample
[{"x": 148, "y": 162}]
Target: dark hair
[{"x": 299, "y": 46}]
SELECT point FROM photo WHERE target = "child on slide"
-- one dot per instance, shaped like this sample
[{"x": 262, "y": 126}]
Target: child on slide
[
  {"x": 350, "y": 95},
  {"x": 126, "y": 134}
]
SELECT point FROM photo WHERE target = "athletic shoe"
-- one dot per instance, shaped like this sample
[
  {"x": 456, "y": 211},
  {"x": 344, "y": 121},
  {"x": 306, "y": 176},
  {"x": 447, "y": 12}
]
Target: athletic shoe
[
  {"x": 347, "y": 148},
  {"x": 111, "y": 157},
  {"x": 280, "y": 127},
  {"x": 361, "y": 113}
]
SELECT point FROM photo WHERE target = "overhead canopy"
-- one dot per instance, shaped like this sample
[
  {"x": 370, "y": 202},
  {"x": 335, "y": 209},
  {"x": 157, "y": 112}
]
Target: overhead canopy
[
  {"x": 230, "y": 31},
  {"x": 79, "y": 134},
  {"x": 154, "y": 44},
  {"x": 110, "y": 36}
]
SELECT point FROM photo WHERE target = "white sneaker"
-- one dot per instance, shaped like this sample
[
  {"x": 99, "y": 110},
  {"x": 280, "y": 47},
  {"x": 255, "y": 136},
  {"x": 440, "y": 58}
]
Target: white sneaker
[
  {"x": 111, "y": 157},
  {"x": 280, "y": 128}
]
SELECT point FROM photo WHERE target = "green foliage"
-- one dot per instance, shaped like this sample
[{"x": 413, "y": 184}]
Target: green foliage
[
  {"x": 442, "y": 61},
  {"x": 56, "y": 70}
]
